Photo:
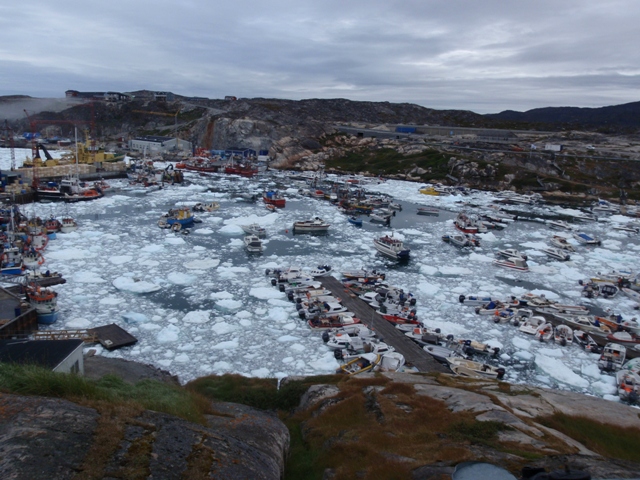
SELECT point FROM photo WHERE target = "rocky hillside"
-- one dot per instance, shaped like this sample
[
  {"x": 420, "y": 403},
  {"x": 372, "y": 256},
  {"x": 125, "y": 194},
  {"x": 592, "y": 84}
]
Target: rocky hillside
[{"x": 374, "y": 426}]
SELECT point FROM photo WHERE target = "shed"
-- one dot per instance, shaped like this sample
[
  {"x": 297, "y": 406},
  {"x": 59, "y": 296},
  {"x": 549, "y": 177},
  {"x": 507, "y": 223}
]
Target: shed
[{"x": 64, "y": 356}]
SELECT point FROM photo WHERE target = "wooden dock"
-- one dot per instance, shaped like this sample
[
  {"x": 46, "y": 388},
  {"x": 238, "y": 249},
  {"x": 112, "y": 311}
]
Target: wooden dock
[{"x": 413, "y": 353}]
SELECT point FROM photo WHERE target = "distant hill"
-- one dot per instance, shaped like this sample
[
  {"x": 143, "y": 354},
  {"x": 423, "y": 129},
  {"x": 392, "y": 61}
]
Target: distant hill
[{"x": 611, "y": 119}]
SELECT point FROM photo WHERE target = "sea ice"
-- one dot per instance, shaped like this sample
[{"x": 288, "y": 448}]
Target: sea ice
[{"x": 134, "y": 285}]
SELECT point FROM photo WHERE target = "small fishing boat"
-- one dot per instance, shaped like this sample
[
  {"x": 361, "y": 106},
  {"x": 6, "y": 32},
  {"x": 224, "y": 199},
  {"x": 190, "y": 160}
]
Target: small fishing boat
[
  {"x": 325, "y": 322},
  {"x": 177, "y": 219},
  {"x": 473, "y": 300},
  {"x": 545, "y": 332},
  {"x": 429, "y": 211},
  {"x": 206, "y": 207},
  {"x": 556, "y": 253},
  {"x": 274, "y": 198},
  {"x": 390, "y": 362},
  {"x": 254, "y": 229},
  {"x": 512, "y": 263},
  {"x": 459, "y": 240},
  {"x": 627, "y": 339},
  {"x": 469, "y": 368},
  {"x": 391, "y": 247},
  {"x": 531, "y": 325},
  {"x": 68, "y": 225},
  {"x": 585, "y": 341},
  {"x": 355, "y": 221},
  {"x": 466, "y": 224},
  {"x": 628, "y": 386},
  {"x": 560, "y": 225},
  {"x": 253, "y": 244},
  {"x": 612, "y": 357},
  {"x": 362, "y": 363},
  {"x": 586, "y": 239},
  {"x": 561, "y": 242},
  {"x": 627, "y": 228},
  {"x": 563, "y": 335},
  {"x": 375, "y": 218},
  {"x": 45, "y": 301}
]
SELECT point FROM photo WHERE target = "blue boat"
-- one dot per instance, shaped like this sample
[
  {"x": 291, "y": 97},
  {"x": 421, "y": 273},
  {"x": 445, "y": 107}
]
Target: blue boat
[
  {"x": 45, "y": 301},
  {"x": 177, "y": 219},
  {"x": 355, "y": 221}
]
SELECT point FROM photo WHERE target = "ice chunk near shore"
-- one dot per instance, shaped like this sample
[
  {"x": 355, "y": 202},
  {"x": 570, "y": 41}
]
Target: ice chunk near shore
[
  {"x": 134, "y": 285},
  {"x": 559, "y": 371}
]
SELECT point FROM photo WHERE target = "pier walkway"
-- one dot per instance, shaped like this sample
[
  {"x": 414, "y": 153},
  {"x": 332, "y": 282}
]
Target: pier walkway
[{"x": 413, "y": 353}]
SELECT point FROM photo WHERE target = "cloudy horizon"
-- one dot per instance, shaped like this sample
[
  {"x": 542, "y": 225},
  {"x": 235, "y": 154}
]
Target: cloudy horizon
[{"x": 481, "y": 56}]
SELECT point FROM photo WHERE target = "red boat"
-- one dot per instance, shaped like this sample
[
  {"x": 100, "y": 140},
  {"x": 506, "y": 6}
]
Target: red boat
[
  {"x": 468, "y": 225},
  {"x": 409, "y": 319},
  {"x": 274, "y": 198}
]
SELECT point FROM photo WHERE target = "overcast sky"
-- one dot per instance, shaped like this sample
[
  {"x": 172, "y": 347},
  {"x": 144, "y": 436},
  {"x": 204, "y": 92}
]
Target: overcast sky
[{"x": 479, "y": 55}]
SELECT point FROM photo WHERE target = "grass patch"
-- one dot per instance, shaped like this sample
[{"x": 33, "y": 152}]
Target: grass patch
[
  {"x": 483, "y": 433},
  {"x": 607, "y": 440},
  {"x": 261, "y": 393},
  {"x": 146, "y": 394}
]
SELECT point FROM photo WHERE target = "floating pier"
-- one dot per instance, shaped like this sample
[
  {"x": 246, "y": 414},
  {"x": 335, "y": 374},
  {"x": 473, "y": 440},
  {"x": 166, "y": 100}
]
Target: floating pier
[{"x": 412, "y": 352}]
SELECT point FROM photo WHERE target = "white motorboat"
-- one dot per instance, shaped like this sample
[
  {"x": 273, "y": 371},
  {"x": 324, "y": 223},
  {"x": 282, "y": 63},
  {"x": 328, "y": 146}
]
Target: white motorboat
[
  {"x": 441, "y": 353},
  {"x": 467, "y": 224},
  {"x": 391, "y": 247},
  {"x": 473, "y": 300},
  {"x": 469, "y": 368},
  {"x": 254, "y": 229},
  {"x": 545, "y": 332},
  {"x": 586, "y": 239},
  {"x": 320, "y": 308},
  {"x": 612, "y": 357},
  {"x": 627, "y": 228},
  {"x": 390, "y": 362},
  {"x": 605, "y": 207},
  {"x": 627, "y": 339},
  {"x": 560, "y": 225},
  {"x": 561, "y": 242},
  {"x": 253, "y": 243},
  {"x": 510, "y": 253},
  {"x": 316, "y": 225},
  {"x": 429, "y": 211},
  {"x": 514, "y": 263},
  {"x": 563, "y": 335},
  {"x": 587, "y": 323},
  {"x": 376, "y": 218},
  {"x": 461, "y": 240},
  {"x": 531, "y": 325},
  {"x": 556, "y": 253}
]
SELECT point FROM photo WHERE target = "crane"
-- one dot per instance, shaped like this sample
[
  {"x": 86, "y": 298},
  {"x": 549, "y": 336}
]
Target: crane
[
  {"x": 174, "y": 115},
  {"x": 9, "y": 135}
]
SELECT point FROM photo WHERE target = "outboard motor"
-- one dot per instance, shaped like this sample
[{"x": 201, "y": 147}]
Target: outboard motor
[
  {"x": 298, "y": 306},
  {"x": 290, "y": 296},
  {"x": 325, "y": 336},
  {"x": 298, "y": 300},
  {"x": 501, "y": 372},
  {"x": 412, "y": 301},
  {"x": 461, "y": 298},
  {"x": 301, "y": 314},
  {"x": 450, "y": 338},
  {"x": 267, "y": 271},
  {"x": 496, "y": 351},
  {"x": 274, "y": 282},
  {"x": 496, "y": 319},
  {"x": 281, "y": 287},
  {"x": 337, "y": 354},
  {"x": 437, "y": 330}
]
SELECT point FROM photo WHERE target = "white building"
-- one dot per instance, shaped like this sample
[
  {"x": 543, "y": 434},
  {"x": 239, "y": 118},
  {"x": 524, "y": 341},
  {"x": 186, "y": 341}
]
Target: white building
[{"x": 155, "y": 144}]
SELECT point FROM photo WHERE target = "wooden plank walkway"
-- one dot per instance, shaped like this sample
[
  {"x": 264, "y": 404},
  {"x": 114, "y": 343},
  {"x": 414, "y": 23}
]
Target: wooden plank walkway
[{"x": 413, "y": 353}]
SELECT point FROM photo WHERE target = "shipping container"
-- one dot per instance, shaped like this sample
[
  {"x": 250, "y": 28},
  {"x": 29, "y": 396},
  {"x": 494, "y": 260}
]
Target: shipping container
[{"x": 406, "y": 129}]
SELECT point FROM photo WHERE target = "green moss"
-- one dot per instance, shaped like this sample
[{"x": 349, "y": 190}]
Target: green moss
[
  {"x": 607, "y": 440},
  {"x": 484, "y": 433}
]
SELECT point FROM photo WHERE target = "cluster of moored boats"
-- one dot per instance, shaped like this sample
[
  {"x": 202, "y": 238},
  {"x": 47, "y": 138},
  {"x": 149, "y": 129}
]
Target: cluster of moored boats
[
  {"x": 23, "y": 243},
  {"x": 611, "y": 337}
]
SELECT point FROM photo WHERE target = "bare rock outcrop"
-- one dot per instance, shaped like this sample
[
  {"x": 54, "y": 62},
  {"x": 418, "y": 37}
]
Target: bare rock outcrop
[{"x": 57, "y": 439}]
